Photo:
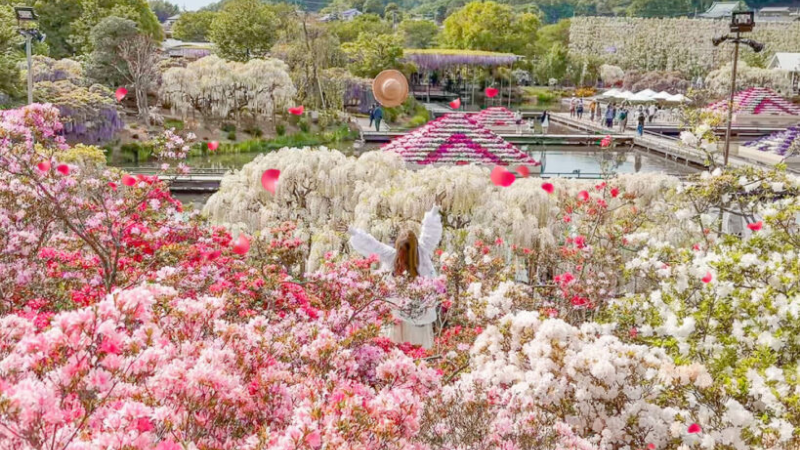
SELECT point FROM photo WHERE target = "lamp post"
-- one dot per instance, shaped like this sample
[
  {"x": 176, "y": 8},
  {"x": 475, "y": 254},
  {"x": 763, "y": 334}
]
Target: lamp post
[
  {"x": 742, "y": 22},
  {"x": 27, "y": 14}
]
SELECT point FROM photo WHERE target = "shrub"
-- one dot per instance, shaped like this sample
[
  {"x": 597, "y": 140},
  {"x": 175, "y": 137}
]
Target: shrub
[
  {"x": 228, "y": 127},
  {"x": 177, "y": 124},
  {"x": 231, "y": 135},
  {"x": 418, "y": 121},
  {"x": 545, "y": 97},
  {"x": 280, "y": 129},
  {"x": 254, "y": 131},
  {"x": 304, "y": 125}
]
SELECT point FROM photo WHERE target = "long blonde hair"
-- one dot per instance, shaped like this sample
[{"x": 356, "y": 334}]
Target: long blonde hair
[{"x": 407, "y": 241}]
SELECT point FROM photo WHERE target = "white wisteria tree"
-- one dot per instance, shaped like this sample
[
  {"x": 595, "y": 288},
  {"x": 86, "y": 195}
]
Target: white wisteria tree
[{"x": 218, "y": 89}]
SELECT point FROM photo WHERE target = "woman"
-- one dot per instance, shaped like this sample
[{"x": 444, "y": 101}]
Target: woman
[
  {"x": 518, "y": 121},
  {"x": 545, "y": 121},
  {"x": 410, "y": 257}
]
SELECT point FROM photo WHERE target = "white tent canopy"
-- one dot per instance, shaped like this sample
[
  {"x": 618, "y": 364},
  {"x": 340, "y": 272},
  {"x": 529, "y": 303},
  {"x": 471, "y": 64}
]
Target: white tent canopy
[
  {"x": 663, "y": 95},
  {"x": 625, "y": 95},
  {"x": 679, "y": 98},
  {"x": 610, "y": 93},
  {"x": 639, "y": 97},
  {"x": 649, "y": 93}
]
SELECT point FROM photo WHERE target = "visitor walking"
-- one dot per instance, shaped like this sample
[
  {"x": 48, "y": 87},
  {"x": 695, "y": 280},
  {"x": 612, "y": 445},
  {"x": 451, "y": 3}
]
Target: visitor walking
[
  {"x": 545, "y": 121},
  {"x": 610, "y": 113},
  {"x": 518, "y": 121},
  {"x": 652, "y": 113},
  {"x": 592, "y": 109},
  {"x": 640, "y": 122},
  {"x": 623, "y": 119},
  {"x": 410, "y": 258},
  {"x": 579, "y": 109},
  {"x": 371, "y": 115},
  {"x": 573, "y": 103},
  {"x": 378, "y": 114}
]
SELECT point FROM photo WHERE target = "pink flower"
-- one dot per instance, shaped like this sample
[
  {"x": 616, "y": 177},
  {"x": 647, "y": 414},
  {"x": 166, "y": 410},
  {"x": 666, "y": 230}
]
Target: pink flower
[
  {"x": 614, "y": 192},
  {"x": 580, "y": 242},
  {"x": 583, "y": 196},
  {"x": 694, "y": 428},
  {"x": 143, "y": 424},
  {"x": 168, "y": 445},
  {"x": 548, "y": 187},
  {"x": 707, "y": 279},
  {"x": 313, "y": 439},
  {"x": 755, "y": 226}
]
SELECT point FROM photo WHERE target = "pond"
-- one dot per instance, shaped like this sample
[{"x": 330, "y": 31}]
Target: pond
[{"x": 557, "y": 159}]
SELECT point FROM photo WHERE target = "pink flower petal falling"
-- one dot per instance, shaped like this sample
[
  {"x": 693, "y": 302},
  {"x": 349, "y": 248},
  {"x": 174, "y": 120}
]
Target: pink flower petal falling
[
  {"x": 121, "y": 93},
  {"x": 694, "y": 428},
  {"x": 213, "y": 145},
  {"x": 43, "y": 166},
  {"x": 651, "y": 446},
  {"x": 128, "y": 180},
  {"x": 614, "y": 192},
  {"x": 112, "y": 185},
  {"x": 523, "y": 171},
  {"x": 269, "y": 179},
  {"x": 242, "y": 245},
  {"x": 297, "y": 110},
  {"x": 63, "y": 169},
  {"x": 548, "y": 187},
  {"x": 501, "y": 177},
  {"x": 455, "y": 104},
  {"x": 707, "y": 279},
  {"x": 492, "y": 92},
  {"x": 583, "y": 196},
  {"x": 755, "y": 226}
]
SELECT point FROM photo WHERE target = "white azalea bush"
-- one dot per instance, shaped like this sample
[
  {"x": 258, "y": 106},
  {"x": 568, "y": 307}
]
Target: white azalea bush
[
  {"x": 529, "y": 374},
  {"x": 730, "y": 302}
]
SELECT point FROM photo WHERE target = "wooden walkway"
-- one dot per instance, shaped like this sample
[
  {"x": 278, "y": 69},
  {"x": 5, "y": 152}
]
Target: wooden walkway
[{"x": 664, "y": 146}]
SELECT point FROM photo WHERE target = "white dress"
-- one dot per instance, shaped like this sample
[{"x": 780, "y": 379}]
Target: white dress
[{"x": 417, "y": 330}]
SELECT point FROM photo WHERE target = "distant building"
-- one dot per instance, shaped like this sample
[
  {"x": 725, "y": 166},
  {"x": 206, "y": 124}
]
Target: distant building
[
  {"x": 187, "y": 50},
  {"x": 346, "y": 15},
  {"x": 777, "y": 14},
  {"x": 789, "y": 62},
  {"x": 723, "y": 10},
  {"x": 167, "y": 25}
]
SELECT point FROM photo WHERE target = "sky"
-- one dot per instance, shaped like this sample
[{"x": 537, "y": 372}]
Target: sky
[{"x": 193, "y": 5}]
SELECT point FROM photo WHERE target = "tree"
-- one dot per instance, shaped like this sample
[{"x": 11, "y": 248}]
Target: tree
[
  {"x": 140, "y": 57},
  {"x": 104, "y": 64},
  {"x": 193, "y": 26},
  {"x": 372, "y": 24},
  {"x": 369, "y": 55},
  {"x": 10, "y": 54},
  {"x": 659, "y": 8},
  {"x": 392, "y": 13},
  {"x": 373, "y": 7},
  {"x": 490, "y": 26},
  {"x": 219, "y": 89},
  {"x": 163, "y": 9},
  {"x": 418, "y": 33},
  {"x": 243, "y": 29},
  {"x": 553, "y": 65},
  {"x": 68, "y": 23}
]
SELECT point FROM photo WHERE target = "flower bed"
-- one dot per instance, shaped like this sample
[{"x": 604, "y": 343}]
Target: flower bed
[
  {"x": 457, "y": 139},
  {"x": 758, "y": 101},
  {"x": 496, "y": 116}
]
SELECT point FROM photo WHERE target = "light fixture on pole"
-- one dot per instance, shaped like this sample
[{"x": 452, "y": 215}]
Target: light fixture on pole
[
  {"x": 742, "y": 22},
  {"x": 26, "y": 14}
]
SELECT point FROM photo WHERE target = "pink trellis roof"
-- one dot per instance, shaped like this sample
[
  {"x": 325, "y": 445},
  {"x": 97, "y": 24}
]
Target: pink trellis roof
[
  {"x": 496, "y": 116},
  {"x": 457, "y": 139},
  {"x": 758, "y": 101}
]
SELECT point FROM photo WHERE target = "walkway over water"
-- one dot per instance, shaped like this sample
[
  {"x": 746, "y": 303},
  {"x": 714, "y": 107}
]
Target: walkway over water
[{"x": 666, "y": 146}]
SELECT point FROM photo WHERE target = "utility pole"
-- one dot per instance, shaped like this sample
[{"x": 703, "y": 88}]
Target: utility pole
[
  {"x": 730, "y": 100},
  {"x": 27, "y": 14},
  {"x": 741, "y": 22}
]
